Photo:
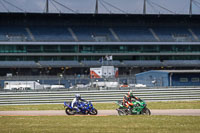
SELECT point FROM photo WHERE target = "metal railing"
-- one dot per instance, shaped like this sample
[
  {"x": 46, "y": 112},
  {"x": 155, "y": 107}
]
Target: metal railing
[{"x": 58, "y": 97}]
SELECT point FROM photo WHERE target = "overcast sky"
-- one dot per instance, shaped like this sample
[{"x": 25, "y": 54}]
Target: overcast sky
[{"x": 88, "y": 6}]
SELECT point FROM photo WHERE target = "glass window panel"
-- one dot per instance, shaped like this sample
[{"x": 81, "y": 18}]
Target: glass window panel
[
  {"x": 183, "y": 79},
  {"x": 50, "y": 48},
  {"x": 34, "y": 48},
  {"x": 195, "y": 79}
]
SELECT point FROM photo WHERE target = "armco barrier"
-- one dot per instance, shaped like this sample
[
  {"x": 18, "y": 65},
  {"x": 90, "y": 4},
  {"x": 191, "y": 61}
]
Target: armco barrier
[{"x": 57, "y": 97}]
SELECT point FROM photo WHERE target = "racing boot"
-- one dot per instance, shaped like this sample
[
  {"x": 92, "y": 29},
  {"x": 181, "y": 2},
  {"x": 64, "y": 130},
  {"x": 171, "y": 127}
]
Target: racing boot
[
  {"x": 130, "y": 108},
  {"x": 77, "y": 109}
]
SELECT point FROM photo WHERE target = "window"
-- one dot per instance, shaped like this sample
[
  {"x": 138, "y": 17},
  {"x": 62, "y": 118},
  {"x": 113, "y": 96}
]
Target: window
[
  {"x": 34, "y": 48},
  {"x": 195, "y": 79},
  {"x": 183, "y": 79},
  {"x": 50, "y": 48},
  {"x": 121, "y": 48}
]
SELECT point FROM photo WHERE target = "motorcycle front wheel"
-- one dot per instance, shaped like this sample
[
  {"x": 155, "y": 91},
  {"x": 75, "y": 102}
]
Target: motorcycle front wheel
[
  {"x": 146, "y": 111},
  {"x": 69, "y": 111},
  {"x": 93, "y": 112},
  {"x": 122, "y": 111}
]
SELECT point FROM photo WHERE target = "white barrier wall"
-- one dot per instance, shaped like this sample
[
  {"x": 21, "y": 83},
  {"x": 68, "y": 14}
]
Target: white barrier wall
[{"x": 51, "y": 97}]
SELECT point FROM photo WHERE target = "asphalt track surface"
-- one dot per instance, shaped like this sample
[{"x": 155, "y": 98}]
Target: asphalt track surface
[{"x": 175, "y": 112}]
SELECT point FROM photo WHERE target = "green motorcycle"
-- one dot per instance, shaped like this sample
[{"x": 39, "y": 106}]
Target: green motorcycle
[{"x": 138, "y": 107}]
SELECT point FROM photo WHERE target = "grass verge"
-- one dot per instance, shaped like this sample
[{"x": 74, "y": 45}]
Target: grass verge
[
  {"x": 107, "y": 106},
  {"x": 100, "y": 124}
]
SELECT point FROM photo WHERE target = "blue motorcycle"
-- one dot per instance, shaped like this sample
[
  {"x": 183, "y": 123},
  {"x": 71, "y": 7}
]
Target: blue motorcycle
[{"x": 82, "y": 109}]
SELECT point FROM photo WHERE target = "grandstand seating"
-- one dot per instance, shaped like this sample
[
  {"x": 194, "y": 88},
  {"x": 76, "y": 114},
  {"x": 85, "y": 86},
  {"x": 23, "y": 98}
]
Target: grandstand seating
[
  {"x": 13, "y": 33},
  {"x": 51, "y": 43},
  {"x": 173, "y": 34},
  {"x": 129, "y": 33},
  {"x": 96, "y": 33},
  {"x": 89, "y": 33},
  {"x": 196, "y": 32},
  {"x": 51, "y": 33}
]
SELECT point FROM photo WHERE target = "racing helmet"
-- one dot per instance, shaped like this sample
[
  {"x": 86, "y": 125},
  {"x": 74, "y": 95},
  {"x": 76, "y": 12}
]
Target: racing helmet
[
  {"x": 130, "y": 93},
  {"x": 78, "y": 96}
]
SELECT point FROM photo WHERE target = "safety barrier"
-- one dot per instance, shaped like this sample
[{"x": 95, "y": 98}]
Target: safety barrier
[{"x": 57, "y": 97}]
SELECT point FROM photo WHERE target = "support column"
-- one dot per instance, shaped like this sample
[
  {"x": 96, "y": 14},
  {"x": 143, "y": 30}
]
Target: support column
[
  {"x": 190, "y": 10},
  {"x": 144, "y": 7},
  {"x": 96, "y": 7},
  {"x": 47, "y": 6},
  {"x": 170, "y": 79}
]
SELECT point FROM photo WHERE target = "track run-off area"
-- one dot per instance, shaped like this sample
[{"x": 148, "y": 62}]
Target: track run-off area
[{"x": 175, "y": 112}]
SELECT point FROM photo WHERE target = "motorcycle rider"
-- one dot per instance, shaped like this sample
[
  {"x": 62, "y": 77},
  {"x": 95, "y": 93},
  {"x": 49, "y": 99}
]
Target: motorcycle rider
[
  {"x": 76, "y": 101},
  {"x": 128, "y": 99}
]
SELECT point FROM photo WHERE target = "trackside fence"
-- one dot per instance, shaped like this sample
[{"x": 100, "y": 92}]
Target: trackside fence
[{"x": 58, "y": 97}]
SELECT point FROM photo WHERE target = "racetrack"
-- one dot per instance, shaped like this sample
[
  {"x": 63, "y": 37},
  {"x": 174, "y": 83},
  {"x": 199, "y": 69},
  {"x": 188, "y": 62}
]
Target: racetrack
[{"x": 176, "y": 112}]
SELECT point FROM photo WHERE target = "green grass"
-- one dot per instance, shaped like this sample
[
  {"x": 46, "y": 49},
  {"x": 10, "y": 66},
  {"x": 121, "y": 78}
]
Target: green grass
[
  {"x": 108, "y": 106},
  {"x": 175, "y": 105},
  {"x": 100, "y": 124}
]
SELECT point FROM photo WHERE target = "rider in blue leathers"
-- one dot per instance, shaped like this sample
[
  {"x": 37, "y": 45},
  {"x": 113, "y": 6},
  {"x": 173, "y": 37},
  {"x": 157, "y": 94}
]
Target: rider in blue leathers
[{"x": 76, "y": 101}]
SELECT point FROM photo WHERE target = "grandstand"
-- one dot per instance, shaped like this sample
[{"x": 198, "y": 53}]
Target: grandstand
[
  {"x": 71, "y": 43},
  {"x": 39, "y": 41}
]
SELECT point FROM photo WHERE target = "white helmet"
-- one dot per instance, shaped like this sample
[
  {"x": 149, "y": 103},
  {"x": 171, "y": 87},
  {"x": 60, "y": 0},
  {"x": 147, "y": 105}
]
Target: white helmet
[
  {"x": 130, "y": 93},
  {"x": 78, "y": 96}
]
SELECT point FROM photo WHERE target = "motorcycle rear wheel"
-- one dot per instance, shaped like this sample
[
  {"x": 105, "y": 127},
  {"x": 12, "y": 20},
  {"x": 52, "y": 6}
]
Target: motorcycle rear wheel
[
  {"x": 93, "y": 112},
  {"x": 69, "y": 111}
]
